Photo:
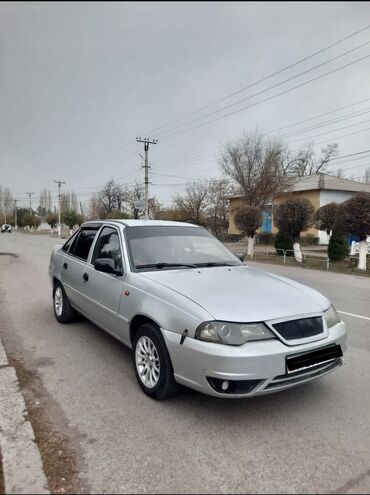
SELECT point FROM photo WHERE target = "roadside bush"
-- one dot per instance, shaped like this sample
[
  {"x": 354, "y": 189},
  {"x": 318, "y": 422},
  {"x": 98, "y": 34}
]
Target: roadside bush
[
  {"x": 338, "y": 247},
  {"x": 233, "y": 237},
  {"x": 265, "y": 238},
  {"x": 283, "y": 241},
  {"x": 309, "y": 240}
]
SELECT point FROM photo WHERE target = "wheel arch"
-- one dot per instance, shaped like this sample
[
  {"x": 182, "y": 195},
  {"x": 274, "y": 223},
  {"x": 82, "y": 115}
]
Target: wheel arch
[{"x": 139, "y": 320}]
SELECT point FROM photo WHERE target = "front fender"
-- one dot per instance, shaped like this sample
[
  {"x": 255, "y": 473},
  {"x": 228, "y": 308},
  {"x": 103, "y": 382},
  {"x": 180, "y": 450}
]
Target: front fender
[{"x": 169, "y": 309}]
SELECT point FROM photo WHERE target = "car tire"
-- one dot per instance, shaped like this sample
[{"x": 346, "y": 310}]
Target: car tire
[
  {"x": 63, "y": 310},
  {"x": 150, "y": 352}
]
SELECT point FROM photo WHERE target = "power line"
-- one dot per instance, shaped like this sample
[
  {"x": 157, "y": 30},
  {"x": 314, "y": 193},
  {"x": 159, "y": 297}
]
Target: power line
[
  {"x": 351, "y": 154},
  {"x": 269, "y": 97},
  {"x": 204, "y": 154},
  {"x": 265, "y": 78},
  {"x": 328, "y": 122},
  {"x": 267, "y": 89},
  {"x": 317, "y": 116},
  {"x": 329, "y": 132},
  {"x": 340, "y": 137}
]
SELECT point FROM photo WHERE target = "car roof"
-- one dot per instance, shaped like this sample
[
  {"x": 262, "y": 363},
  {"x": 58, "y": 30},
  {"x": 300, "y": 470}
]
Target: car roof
[{"x": 141, "y": 223}]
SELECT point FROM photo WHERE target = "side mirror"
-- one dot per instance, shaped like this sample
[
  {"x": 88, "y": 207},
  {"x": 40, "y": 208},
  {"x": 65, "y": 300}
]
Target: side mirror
[
  {"x": 240, "y": 256},
  {"x": 106, "y": 265}
]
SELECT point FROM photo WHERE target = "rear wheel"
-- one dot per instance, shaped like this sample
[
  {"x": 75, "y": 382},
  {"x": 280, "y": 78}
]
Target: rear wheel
[
  {"x": 63, "y": 310},
  {"x": 153, "y": 367}
]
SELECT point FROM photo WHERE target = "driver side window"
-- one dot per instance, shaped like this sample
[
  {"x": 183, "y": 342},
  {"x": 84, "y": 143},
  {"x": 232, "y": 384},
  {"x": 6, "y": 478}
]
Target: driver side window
[{"x": 108, "y": 246}]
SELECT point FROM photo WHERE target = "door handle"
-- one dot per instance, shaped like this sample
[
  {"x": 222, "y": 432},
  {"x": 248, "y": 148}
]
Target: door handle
[
  {"x": 85, "y": 276},
  {"x": 65, "y": 266}
]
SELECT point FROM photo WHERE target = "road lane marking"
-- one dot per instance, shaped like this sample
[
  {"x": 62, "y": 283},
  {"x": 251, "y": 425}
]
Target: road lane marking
[{"x": 356, "y": 316}]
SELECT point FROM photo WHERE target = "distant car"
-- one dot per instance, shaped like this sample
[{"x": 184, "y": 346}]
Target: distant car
[
  {"x": 6, "y": 228},
  {"x": 192, "y": 312}
]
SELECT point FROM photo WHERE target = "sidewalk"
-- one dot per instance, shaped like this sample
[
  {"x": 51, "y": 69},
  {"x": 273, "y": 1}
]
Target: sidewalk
[
  {"x": 241, "y": 247},
  {"x": 21, "y": 461}
]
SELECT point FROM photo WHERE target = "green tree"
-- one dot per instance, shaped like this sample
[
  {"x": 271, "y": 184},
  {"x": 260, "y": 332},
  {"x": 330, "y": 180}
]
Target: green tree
[
  {"x": 248, "y": 219},
  {"x": 356, "y": 221},
  {"x": 325, "y": 217},
  {"x": 31, "y": 220},
  {"x": 294, "y": 216},
  {"x": 338, "y": 247},
  {"x": 284, "y": 242},
  {"x": 52, "y": 220},
  {"x": 70, "y": 218}
]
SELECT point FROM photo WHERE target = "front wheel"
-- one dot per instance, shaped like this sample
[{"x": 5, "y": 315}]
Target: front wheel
[
  {"x": 153, "y": 367},
  {"x": 63, "y": 310}
]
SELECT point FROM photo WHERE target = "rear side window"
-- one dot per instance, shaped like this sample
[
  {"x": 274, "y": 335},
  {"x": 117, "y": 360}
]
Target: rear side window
[{"x": 81, "y": 247}]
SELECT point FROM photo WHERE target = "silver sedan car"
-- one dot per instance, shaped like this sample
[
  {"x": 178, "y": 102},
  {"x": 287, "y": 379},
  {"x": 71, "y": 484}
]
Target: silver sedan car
[{"x": 192, "y": 312}]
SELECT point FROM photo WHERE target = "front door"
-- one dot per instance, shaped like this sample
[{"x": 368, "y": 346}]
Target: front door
[{"x": 103, "y": 290}]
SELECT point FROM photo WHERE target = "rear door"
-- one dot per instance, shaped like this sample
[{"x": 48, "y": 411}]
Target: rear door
[
  {"x": 74, "y": 264},
  {"x": 103, "y": 290}
]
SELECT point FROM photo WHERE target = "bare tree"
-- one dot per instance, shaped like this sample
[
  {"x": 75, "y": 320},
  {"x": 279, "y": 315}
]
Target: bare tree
[
  {"x": 219, "y": 192},
  {"x": 110, "y": 198},
  {"x": 367, "y": 176},
  {"x": 6, "y": 202},
  {"x": 155, "y": 209},
  {"x": 248, "y": 219},
  {"x": 294, "y": 216},
  {"x": 306, "y": 163},
  {"x": 194, "y": 202},
  {"x": 256, "y": 166},
  {"x": 356, "y": 221},
  {"x": 130, "y": 196}
]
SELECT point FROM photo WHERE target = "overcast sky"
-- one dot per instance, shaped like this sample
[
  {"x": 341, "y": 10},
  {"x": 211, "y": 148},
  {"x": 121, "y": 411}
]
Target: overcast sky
[{"x": 79, "y": 82}]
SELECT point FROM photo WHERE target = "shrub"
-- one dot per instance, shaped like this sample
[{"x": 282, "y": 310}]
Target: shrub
[
  {"x": 233, "y": 237},
  {"x": 338, "y": 247},
  {"x": 309, "y": 240},
  {"x": 265, "y": 238},
  {"x": 283, "y": 241}
]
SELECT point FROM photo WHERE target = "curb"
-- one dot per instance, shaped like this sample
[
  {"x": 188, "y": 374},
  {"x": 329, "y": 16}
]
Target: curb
[{"x": 22, "y": 465}]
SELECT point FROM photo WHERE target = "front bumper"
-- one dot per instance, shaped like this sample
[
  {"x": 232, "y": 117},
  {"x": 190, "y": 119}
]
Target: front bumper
[{"x": 262, "y": 363}]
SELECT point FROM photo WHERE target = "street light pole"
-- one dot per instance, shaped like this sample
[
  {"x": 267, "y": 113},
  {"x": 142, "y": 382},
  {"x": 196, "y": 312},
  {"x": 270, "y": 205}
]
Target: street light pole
[{"x": 59, "y": 182}]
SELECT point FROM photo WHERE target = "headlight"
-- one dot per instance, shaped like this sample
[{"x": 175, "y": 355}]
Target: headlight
[
  {"x": 223, "y": 332},
  {"x": 331, "y": 317}
]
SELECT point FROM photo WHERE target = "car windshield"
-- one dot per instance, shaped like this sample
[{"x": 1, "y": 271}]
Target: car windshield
[{"x": 175, "y": 247}]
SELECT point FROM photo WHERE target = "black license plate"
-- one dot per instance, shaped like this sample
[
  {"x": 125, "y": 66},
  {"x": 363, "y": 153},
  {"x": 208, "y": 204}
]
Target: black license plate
[{"x": 309, "y": 359}]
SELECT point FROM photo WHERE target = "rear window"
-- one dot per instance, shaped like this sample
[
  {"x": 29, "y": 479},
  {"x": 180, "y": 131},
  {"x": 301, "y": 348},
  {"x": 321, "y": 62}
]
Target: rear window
[{"x": 82, "y": 244}]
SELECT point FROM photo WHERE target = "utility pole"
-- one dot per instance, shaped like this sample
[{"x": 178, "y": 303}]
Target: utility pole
[
  {"x": 146, "y": 142},
  {"x": 59, "y": 182},
  {"x": 29, "y": 195},
  {"x": 15, "y": 215}
]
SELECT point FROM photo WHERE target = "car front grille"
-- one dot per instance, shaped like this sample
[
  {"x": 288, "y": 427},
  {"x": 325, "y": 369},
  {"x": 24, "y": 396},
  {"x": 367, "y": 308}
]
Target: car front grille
[
  {"x": 287, "y": 380},
  {"x": 300, "y": 329}
]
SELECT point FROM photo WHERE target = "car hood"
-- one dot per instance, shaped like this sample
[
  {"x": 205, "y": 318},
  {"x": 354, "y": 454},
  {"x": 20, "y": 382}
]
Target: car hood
[{"x": 241, "y": 293}]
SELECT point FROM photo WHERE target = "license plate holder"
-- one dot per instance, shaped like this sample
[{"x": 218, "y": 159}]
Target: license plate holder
[{"x": 310, "y": 359}]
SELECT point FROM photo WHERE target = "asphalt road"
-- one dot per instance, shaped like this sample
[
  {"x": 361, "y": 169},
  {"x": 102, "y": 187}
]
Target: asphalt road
[{"x": 311, "y": 439}]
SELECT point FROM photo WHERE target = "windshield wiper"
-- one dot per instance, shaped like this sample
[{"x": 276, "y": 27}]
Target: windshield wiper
[
  {"x": 216, "y": 263},
  {"x": 165, "y": 265}
]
